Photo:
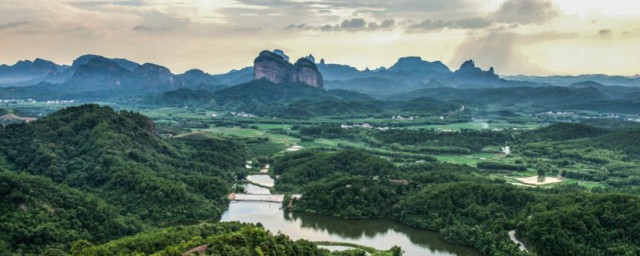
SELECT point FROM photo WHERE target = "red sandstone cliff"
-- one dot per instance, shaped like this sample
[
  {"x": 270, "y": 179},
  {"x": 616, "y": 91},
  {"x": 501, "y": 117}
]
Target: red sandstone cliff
[{"x": 274, "y": 68}]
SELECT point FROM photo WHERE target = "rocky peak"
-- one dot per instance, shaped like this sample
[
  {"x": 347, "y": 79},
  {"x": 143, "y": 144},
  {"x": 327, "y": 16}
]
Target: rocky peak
[
  {"x": 281, "y": 54},
  {"x": 311, "y": 58},
  {"x": 306, "y": 72},
  {"x": 468, "y": 65},
  {"x": 468, "y": 70},
  {"x": 273, "y": 67}
]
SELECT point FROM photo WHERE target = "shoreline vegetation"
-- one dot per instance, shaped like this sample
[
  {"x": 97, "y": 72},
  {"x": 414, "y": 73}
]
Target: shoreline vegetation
[{"x": 394, "y": 251}]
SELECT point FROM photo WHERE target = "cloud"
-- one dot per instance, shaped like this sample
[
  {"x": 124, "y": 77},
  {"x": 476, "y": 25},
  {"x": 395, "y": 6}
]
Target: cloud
[
  {"x": 13, "y": 24},
  {"x": 526, "y": 11},
  {"x": 356, "y": 24},
  {"x": 331, "y": 10},
  {"x": 97, "y": 5},
  {"x": 502, "y": 50},
  {"x": 374, "y": 6},
  {"x": 605, "y": 33},
  {"x": 385, "y": 24},
  {"x": 141, "y": 28},
  {"x": 435, "y": 25},
  {"x": 353, "y": 24}
]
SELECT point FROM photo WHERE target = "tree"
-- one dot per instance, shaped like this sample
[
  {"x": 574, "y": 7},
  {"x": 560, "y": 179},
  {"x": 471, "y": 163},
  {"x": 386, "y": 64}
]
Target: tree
[
  {"x": 541, "y": 174},
  {"x": 396, "y": 250}
]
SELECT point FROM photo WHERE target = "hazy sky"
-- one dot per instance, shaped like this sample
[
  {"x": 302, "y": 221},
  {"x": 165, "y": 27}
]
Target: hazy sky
[{"x": 514, "y": 36}]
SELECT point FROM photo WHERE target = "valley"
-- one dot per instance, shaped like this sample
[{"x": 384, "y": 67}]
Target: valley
[{"x": 286, "y": 162}]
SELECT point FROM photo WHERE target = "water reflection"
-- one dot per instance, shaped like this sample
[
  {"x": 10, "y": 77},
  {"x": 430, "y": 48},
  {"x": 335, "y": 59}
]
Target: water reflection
[
  {"x": 381, "y": 234},
  {"x": 262, "y": 179},
  {"x": 253, "y": 189}
]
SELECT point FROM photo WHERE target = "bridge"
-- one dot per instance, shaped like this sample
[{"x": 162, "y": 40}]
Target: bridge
[{"x": 259, "y": 197}]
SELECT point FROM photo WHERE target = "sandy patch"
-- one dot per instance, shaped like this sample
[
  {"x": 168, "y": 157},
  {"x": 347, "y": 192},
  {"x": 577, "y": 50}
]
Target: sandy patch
[
  {"x": 295, "y": 148},
  {"x": 533, "y": 180}
]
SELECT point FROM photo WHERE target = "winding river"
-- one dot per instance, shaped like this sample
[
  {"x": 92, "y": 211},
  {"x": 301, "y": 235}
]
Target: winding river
[{"x": 381, "y": 234}]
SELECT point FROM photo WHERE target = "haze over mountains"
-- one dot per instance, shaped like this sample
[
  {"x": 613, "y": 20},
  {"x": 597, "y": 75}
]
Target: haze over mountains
[
  {"x": 409, "y": 71},
  {"x": 93, "y": 77}
]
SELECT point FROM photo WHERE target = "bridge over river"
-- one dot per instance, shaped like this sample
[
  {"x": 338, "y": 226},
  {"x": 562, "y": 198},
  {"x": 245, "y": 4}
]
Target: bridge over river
[{"x": 259, "y": 197}]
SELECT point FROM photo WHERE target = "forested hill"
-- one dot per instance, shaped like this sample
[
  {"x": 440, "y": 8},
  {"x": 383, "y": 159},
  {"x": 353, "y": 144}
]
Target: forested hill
[
  {"x": 291, "y": 100},
  {"x": 118, "y": 157},
  {"x": 36, "y": 214},
  {"x": 464, "y": 205}
]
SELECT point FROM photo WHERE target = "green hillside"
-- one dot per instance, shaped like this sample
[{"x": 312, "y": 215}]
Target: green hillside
[
  {"x": 36, "y": 214},
  {"x": 119, "y": 157}
]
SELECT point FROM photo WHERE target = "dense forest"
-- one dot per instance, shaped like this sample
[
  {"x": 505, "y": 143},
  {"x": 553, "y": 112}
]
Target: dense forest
[
  {"x": 464, "y": 206},
  {"x": 223, "y": 239},
  {"x": 36, "y": 214},
  {"x": 110, "y": 169}
]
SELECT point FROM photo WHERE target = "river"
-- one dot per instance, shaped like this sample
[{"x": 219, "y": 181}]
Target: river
[{"x": 381, "y": 234}]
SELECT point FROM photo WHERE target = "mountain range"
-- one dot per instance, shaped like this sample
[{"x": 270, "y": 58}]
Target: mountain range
[
  {"x": 93, "y": 77},
  {"x": 408, "y": 73}
]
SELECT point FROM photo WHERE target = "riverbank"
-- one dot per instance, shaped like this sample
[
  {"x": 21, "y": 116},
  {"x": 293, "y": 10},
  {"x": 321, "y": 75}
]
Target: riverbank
[
  {"x": 379, "y": 234},
  {"x": 395, "y": 250}
]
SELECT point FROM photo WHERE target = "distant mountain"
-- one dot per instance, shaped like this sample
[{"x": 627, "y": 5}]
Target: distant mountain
[
  {"x": 124, "y": 63},
  {"x": 198, "y": 77},
  {"x": 408, "y": 73},
  {"x": 93, "y": 77},
  {"x": 545, "y": 96},
  {"x": 568, "y": 80},
  {"x": 235, "y": 77},
  {"x": 28, "y": 72},
  {"x": 98, "y": 74},
  {"x": 468, "y": 72},
  {"x": 59, "y": 78},
  {"x": 332, "y": 72},
  {"x": 417, "y": 66}
]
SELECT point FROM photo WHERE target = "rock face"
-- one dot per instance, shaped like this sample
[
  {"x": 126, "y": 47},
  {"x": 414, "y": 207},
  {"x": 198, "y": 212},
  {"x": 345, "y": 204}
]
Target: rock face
[
  {"x": 276, "y": 69},
  {"x": 306, "y": 72},
  {"x": 272, "y": 67}
]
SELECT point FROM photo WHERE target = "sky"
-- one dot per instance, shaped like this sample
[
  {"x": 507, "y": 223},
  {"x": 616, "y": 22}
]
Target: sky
[{"x": 533, "y": 37}]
